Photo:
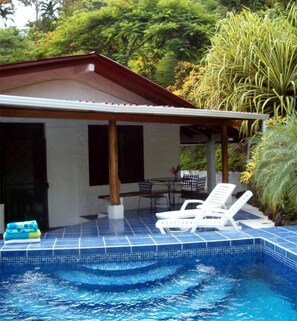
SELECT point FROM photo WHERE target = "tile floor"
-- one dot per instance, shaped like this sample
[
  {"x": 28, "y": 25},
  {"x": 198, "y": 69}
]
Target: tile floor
[
  {"x": 137, "y": 233},
  {"x": 132, "y": 224}
]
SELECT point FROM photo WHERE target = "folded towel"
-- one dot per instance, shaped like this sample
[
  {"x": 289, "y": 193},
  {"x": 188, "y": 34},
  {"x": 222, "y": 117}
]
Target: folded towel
[
  {"x": 21, "y": 225},
  {"x": 22, "y": 241},
  {"x": 21, "y": 236}
]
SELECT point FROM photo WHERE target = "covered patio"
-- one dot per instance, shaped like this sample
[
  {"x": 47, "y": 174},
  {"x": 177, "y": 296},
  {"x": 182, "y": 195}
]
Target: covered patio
[{"x": 28, "y": 107}]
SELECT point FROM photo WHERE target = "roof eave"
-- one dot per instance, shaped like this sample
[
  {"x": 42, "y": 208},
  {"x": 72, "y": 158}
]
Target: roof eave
[{"x": 67, "y": 105}]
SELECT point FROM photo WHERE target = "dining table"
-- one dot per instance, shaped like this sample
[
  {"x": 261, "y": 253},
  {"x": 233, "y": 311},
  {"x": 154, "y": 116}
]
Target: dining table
[{"x": 171, "y": 182}]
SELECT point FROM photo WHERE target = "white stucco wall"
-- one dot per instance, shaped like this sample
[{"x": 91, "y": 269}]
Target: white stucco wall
[
  {"x": 103, "y": 90},
  {"x": 69, "y": 194}
]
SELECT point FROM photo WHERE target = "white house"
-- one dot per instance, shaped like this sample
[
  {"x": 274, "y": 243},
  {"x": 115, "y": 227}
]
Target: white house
[{"x": 56, "y": 120}]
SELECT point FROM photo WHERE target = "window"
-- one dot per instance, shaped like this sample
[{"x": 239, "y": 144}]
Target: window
[{"x": 130, "y": 154}]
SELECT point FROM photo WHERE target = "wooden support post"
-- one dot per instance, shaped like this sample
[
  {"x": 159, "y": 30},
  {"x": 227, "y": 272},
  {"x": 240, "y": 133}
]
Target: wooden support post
[
  {"x": 211, "y": 164},
  {"x": 114, "y": 182},
  {"x": 224, "y": 146}
]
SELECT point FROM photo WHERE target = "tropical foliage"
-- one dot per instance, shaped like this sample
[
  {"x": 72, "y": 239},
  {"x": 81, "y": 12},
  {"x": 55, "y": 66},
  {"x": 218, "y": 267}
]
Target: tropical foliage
[
  {"x": 252, "y": 64},
  {"x": 193, "y": 157},
  {"x": 187, "y": 76},
  {"x": 273, "y": 167},
  {"x": 148, "y": 36},
  {"x": 13, "y": 45}
]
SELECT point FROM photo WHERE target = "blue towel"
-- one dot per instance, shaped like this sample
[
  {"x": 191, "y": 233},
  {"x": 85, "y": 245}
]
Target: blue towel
[
  {"x": 21, "y": 230},
  {"x": 22, "y": 225},
  {"x": 22, "y": 236}
]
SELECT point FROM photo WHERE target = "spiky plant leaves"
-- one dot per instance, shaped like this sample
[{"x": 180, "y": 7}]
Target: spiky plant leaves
[
  {"x": 275, "y": 174},
  {"x": 252, "y": 65}
]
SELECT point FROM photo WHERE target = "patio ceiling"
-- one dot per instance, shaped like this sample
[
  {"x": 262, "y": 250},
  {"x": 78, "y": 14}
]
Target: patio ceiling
[{"x": 195, "y": 134}]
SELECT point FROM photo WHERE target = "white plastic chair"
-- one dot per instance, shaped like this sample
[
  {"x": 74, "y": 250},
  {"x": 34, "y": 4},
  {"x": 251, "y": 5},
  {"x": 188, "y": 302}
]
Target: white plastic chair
[
  {"x": 216, "y": 199},
  {"x": 216, "y": 218}
]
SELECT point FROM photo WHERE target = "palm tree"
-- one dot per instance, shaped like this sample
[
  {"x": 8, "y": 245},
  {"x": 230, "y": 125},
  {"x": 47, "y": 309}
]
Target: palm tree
[
  {"x": 6, "y": 10},
  {"x": 49, "y": 9}
]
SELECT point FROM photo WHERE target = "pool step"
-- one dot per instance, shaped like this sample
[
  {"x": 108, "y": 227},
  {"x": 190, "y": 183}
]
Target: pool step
[
  {"x": 195, "y": 291},
  {"x": 115, "y": 283},
  {"x": 119, "y": 268}
]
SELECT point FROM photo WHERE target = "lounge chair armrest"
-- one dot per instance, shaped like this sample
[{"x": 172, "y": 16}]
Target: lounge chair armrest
[
  {"x": 211, "y": 207},
  {"x": 187, "y": 202},
  {"x": 217, "y": 210}
]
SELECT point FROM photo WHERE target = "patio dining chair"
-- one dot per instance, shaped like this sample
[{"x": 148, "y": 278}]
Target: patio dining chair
[
  {"x": 156, "y": 197},
  {"x": 197, "y": 189},
  {"x": 187, "y": 185}
]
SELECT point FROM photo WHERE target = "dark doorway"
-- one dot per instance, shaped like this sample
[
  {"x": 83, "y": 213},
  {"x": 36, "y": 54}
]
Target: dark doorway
[{"x": 23, "y": 179}]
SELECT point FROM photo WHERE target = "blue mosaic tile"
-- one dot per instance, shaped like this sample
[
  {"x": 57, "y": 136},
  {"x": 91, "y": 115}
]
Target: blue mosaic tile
[
  {"x": 194, "y": 245},
  {"x": 233, "y": 234},
  {"x": 46, "y": 243},
  {"x": 291, "y": 247},
  {"x": 283, "y": 243},
  {"x": 284, "y": 233},
  {"x": 218, "y": 244},
  {"x": 143, "y": 248},
  {"x": 161, "y": 239},
  {"x": 89, "y": 229},
  {"x": 169, "y": 247},
  {"x": 125, "y": 233},
  {"x": 16, "y": 246},
  {"x": 269, "y": 245},
  {"x": 141, "y": 240},
  {"x": 243, "y": 215},
  {"x": 65, "y": 251},
  {"x": 258, "y": 241},
  {"x": 280, "y": 250},
  {"x": 13, "y": 253},
  {"x": 292, "y": 228},
  {"x": 208, "y": 236},
  {"x": 242, "y": 242},
  {"x": 292, "y": 238},
  {"x": 191, "y": 237},
  {"x": 91, "y": 242},
  {"x": 292, "y": 256},
  {"x": 40, "y": 252},
  {"x": 255, "y": 232},
  {"x": 92, "y": 250},
  {"x": 116, "y": 241},
  {"x": 66, "y": 243},
  {"x": 118, "y": 249}
]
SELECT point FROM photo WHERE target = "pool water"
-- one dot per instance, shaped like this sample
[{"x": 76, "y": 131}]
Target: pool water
[{"x": 212, "y": 288}]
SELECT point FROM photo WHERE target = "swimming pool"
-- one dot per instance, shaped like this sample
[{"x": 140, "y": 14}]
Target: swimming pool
[{"x": 221, "y": 287}]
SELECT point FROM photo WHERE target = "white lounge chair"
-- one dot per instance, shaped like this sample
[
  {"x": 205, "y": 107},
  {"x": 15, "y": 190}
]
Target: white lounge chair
[
  {"x": 217, "y": 198},
  {"x": 217, "y": 218}
]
